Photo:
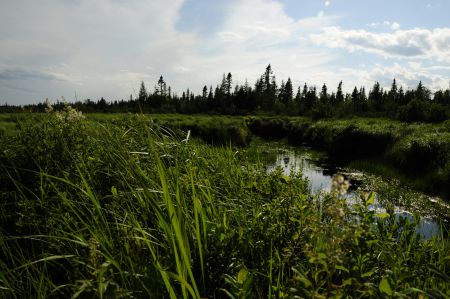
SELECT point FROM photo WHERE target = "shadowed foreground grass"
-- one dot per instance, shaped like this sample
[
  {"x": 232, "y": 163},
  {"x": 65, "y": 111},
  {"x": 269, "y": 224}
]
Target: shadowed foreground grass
[{"x": 131, "y": 209}]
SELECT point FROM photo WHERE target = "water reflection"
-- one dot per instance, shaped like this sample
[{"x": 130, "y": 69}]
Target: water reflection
[
  {"x": 319, "y": 175},
  {"x": 301, "y": 162}
]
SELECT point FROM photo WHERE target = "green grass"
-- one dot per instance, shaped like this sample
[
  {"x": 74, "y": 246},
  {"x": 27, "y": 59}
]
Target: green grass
[
  {"x": 8, "y": 124},
  {"x": 418, "y": 153},
  {"x": 128, "y": 208}
]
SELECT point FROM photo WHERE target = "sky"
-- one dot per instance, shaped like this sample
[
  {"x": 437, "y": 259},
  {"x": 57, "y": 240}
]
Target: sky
[{"x": 79, "y": 49}]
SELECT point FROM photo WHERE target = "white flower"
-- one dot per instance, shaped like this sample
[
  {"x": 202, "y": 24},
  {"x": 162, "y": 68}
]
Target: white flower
[
  {"x": 339, "y": 184},
  {"x": 48, "y": 106},
  {"x": 69, "y": 115}
]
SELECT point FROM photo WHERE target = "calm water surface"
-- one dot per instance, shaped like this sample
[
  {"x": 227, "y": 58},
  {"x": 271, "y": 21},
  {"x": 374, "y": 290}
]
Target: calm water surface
[{"x": 319, "y": 174}]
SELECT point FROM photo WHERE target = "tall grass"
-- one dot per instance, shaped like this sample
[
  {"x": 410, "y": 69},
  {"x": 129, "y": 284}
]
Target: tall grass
[
  {"x": 133, "y": 209},
  {"x": 413, "y": 150}
]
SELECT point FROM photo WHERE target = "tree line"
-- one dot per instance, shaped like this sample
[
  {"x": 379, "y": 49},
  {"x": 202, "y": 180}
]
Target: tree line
[{"x": 266, "y": 96}]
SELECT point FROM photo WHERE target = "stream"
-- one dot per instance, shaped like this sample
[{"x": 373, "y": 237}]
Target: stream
[{"x": 319, "y": 174}]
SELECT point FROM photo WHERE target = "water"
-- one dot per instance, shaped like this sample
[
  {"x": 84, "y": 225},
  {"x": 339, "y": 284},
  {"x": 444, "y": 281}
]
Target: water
[
  {"x": 293, "y": 161},
  {"x": 320, "y": 173}
]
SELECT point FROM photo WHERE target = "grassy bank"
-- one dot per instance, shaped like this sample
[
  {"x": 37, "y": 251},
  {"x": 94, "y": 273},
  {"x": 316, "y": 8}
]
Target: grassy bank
[
  {"x": 419, "y": 153},
  {"x": 128, "y": 208},
  {"x": 216, "y": 130}
]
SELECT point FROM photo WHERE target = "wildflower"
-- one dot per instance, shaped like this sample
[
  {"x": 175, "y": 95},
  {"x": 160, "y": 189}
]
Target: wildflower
[
  {"x": 48, "y": 106},
  {"x": 339, "y": 184},
  {"x": 69, "y": 115}
]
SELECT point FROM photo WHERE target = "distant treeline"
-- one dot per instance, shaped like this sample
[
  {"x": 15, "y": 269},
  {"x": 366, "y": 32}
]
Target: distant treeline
[{"x": 267, "y": 97}]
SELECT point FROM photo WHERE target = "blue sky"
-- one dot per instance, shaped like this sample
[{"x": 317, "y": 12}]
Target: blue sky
[{"x": 82, "y": 49}]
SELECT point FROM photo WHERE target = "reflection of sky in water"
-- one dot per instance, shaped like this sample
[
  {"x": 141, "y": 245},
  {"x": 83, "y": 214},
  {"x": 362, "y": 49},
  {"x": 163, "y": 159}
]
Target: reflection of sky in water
[
  {"x": 300, "y": 162},
  {"x": 320, "y": 180}
]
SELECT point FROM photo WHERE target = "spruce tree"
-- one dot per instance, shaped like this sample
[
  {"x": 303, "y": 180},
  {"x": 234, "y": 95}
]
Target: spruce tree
[
  {"x": 339, "y": 94},
  {"x": 161, "y": 90},
  {"x": 142, "y": 93},
  {"x": 289, "y": 90}
]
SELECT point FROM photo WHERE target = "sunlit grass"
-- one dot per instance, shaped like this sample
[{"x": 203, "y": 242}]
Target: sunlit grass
[{"x": 129, "y": 208}]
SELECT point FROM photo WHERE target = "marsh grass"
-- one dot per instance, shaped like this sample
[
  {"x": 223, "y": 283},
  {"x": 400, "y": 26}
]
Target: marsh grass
[
  {"x": 129, "y": 208},
  {"x": 411, "y": 149}
]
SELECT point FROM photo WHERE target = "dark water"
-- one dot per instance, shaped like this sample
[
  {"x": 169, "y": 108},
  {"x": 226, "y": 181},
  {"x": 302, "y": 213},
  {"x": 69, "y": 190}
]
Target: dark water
[{"x": 320, "y": 173}]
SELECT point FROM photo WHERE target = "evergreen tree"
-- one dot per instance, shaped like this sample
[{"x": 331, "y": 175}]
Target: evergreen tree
[
  {"x": 332, "y": 100},
  {"x": 289, "y": 91},
  {"x": 356, "y": 100},
  {"x": 390, "y": 100},
  {"x": 310, "y": 99},
  {"x": 229, "y": 82},
  {"x": 324, "y": 94},
  {"x": 161, "y": 90},
  {"x": 363, "y": 99},
  {"x": 401, "y": 96},
  {"x": 422, "y": 93},
  {"x": 210, "y": 94},
  {"x": 205, "y": 92},
  {"x": 394, "y": 87},
  {"x": 339, "y": 94},
  {"x": 298, "y": 95},
  {"x": 408, "y": 105},
  {"x": 304, "y": 91},
  {"x": 273, "y": 89},
  {"x": 142, "y": 93},
  {"x": 267, "y": 89},
  {"x": 376, "y": 97},
  {"x": 301, "y": 99},
  {"x": 281, "y": 93},
  {"x": 268, "y": 74},
  {"x": 323, "y": 107}
]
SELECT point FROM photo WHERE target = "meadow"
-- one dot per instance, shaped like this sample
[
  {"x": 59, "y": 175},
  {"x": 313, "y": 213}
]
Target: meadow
[
  {"x": 120, "y": 206},
  {"x": 416, "y": 153}
]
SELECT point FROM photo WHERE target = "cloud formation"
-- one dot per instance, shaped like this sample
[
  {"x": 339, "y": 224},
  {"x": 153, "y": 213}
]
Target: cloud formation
[
  {"x": 25, "y": 74},
  {"x": 106, "y": 47},
  {"x": 407, "y": 75},
  {"x": 392, "y": 25},
  {"x": 256, "y": 33},
  {"x": 81, "y": 45},
  {"x": 413, "y": 43}
]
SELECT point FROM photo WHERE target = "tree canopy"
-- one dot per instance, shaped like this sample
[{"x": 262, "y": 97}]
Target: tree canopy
[{"x": 418, "y": 104}]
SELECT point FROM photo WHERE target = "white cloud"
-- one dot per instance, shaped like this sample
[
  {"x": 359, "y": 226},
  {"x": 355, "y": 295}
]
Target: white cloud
[
  {"x": 327, "y": 3},
  {"x": 256, "y": 33},
  {"x": 181, "y": 69},
  {"x": 85, "y": 44},
  {"x": 106, "y": 47},
  {"x": 407, "y": 75},
  {"x": 404, "y": 44},
  {"x": 387, "y": 24},
  {"x": 227, "y": 36},
  {"x": 395, "y": 26}
]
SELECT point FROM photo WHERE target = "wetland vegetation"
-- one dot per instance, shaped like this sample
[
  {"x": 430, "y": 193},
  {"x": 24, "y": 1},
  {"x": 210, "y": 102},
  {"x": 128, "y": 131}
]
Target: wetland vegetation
[
  {"x": 200, "y": 205},
  {"x": 143, "y": 206}
]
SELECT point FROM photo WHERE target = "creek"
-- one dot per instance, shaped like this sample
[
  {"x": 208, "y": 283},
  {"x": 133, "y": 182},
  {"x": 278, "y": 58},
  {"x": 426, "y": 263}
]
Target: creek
[{"x": 319, "y": 172}]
